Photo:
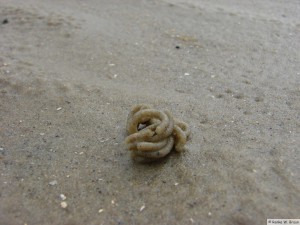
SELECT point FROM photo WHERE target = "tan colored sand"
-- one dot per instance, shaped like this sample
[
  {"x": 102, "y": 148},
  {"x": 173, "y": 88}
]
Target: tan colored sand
[{"x": 71, "y": 70}]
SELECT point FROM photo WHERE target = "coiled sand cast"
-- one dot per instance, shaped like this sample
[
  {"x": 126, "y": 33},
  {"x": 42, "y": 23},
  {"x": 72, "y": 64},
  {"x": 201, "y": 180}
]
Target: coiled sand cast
[{"x": 152, "y": 134}]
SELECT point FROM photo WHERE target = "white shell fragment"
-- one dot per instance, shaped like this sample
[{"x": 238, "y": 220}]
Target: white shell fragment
[{"x": 64, "y": 205}]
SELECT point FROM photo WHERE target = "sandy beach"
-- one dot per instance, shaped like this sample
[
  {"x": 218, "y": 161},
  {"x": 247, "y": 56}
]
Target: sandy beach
[{"x": 70, "y": 71}]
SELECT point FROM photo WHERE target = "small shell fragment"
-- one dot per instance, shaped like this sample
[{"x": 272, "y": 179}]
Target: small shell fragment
[
  {"x": 142, "y": 208},
  {"x": 52, "y": 183},
  {"x": 64, "y": 205}
]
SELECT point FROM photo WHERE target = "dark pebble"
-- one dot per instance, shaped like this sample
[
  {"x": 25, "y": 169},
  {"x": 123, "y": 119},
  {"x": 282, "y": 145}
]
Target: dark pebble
[
  {"x": 177, "y": 47},
  {"x": 5, "y": 21}
]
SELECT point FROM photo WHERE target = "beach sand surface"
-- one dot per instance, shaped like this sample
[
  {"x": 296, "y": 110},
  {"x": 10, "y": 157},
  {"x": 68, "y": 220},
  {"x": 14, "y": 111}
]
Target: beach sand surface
[{"x": 70, "y": 71}]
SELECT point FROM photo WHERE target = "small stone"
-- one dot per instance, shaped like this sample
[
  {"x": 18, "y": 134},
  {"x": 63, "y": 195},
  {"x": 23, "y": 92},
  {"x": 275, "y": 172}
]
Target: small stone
[
  {"x": 186, "y": 74},
  {"x": 62, "y": 197},
  {"x": 177, "y": 47},
  {"x": 58, "y": 108},
  {"x": 5, "y": 21},
  {"x": 101, "y": 210},
  {"x": 52, "y": 183},
  {"x": 176, "y": 184},
  {"x": 64, "y": 205},
  {"x": 209, "y": 213}
]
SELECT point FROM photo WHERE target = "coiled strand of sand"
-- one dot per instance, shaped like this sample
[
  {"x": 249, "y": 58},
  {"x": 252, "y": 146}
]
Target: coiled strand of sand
[{"x": 152, "y": 134}]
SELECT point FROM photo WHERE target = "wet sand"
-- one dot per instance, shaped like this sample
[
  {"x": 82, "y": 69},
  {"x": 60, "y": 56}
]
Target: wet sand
[{"x": 71, "y": 70}]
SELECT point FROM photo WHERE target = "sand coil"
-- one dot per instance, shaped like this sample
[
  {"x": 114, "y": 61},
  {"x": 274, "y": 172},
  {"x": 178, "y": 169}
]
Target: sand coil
[{"x": 152, "y": 134}]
